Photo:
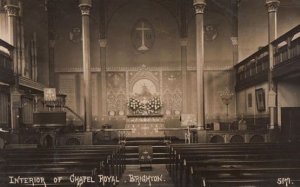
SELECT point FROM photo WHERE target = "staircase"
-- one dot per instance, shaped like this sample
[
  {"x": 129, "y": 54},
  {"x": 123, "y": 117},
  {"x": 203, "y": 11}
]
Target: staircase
[{"x": 160, "y": 150}]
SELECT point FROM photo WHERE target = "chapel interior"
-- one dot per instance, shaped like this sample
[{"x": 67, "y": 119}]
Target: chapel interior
[{"x": 190, "y": 92}]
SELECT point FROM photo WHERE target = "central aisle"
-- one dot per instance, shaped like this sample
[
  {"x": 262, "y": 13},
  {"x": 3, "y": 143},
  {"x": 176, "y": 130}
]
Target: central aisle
[{"x": 158, "y": 175}]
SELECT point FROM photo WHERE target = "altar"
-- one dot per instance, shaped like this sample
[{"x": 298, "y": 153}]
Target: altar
[{"x": 145, "y": 126}]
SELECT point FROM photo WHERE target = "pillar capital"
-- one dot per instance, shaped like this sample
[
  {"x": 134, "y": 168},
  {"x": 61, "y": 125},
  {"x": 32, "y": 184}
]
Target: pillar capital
[
  {"x": 199, "y": 6},
  {"x": 12, "y": 10},
  {"x": 85, "y": 7},
  {"x": 272, "y": 5},
  {"x": 103, "y": 42}
]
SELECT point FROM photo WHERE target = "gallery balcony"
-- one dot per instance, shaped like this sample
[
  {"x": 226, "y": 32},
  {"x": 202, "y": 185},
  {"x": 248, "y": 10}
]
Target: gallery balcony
[
  {"x": 253, "y": 70},
  {"x": 287, "y": 54},
  {"x": 286, "y": 61}
]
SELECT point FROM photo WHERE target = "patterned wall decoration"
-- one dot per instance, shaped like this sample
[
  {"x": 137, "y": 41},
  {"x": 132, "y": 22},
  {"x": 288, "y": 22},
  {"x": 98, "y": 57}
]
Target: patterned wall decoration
[
  {"x": 144, "y": 73},
  {"x": 144, "y": 85},
  {"x": 172, "y": 91},
  {"x": 116, "y": 93}
]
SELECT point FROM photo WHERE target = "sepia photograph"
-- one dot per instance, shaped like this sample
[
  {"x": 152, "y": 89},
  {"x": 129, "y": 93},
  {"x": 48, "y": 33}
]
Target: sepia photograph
[{"x": 149, "y": 93}]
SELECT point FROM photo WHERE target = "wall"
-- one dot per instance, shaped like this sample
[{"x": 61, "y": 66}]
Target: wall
[
  {"x": 253, "y": 23},
  {"x": 217, "y": 43},
  {"x": 163, "y": 59},
  {"x": 288, "y": 93},
  {"x": 37, "y": 22},
  {"x": 166, "y": 46},
  {"x": 68, "y": 30},
  {"x": 243, "y": 108}
]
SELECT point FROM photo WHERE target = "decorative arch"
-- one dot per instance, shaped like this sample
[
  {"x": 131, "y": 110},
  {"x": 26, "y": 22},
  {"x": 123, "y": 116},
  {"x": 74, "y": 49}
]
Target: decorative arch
[
  {"x": 237, "y": 139},
  {"x": 144, "y": 74},
  {"x": 48, "y": 141},
  {"x": 217, "y": 139}
]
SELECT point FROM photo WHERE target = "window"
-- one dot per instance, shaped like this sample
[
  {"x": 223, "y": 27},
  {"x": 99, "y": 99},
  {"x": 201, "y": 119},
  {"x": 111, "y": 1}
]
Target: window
[{"x": 249, "y": 100}]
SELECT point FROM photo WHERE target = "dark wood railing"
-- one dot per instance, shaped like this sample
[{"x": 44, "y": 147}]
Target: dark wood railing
[
  {"x": 253, "y": 69},
  {"x": 287, "y": 46},
  {"x": 286, "y": 52}
]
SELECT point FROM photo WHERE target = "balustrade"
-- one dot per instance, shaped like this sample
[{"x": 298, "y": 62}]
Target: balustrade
[{"x": 254, "y": 69}]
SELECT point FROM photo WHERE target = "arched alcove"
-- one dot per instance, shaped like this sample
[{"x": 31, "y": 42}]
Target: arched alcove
[
  {"x": 217, "y": 139},
  {"x": 237, "y": 139}
]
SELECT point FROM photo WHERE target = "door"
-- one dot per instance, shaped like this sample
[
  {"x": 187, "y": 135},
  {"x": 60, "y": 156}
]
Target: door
[{"x": 290, "y": 129}]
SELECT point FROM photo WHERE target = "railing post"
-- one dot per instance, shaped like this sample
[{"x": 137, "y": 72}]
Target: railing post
[{"x": 289, "y": 42}]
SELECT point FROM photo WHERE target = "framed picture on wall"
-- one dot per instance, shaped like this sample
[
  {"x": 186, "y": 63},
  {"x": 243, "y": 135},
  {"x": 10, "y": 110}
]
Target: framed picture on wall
[{"x": 260, "y": 99}]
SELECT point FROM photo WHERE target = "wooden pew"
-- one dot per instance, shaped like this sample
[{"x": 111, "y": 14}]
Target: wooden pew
[
  {"x": 197, "y": 159},
  {"x": 63, "y": 161}
]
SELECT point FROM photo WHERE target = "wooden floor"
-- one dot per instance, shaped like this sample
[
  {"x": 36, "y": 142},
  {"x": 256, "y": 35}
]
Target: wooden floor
[{"x": 158, "y": 173}]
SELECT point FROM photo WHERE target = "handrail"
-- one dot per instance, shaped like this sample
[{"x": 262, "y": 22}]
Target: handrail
[
  {"x": 6, "y": 45},
  {"x": 73, "y": 112},
  {"x": 254, "y": 68},
  {"x": 283, "y": 37}
]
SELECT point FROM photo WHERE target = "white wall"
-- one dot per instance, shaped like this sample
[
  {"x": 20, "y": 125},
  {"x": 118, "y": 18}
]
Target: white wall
[
  {"x": 242, "y": 101},
  {"x": 253, "y": 23},
  {"x": 288, "y": 95}
]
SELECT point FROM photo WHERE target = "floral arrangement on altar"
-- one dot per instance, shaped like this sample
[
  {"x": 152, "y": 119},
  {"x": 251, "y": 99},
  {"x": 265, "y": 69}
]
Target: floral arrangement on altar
[{"x": 144, "y": 106}]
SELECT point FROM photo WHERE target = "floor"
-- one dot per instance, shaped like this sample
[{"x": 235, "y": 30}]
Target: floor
[{"x": 158, "y": 176}]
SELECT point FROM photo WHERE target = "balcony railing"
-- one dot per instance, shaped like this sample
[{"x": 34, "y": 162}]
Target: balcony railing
[
  {"x": 253, "y": 69},
  {"x": 287, "y": 46},
  {"x": 286, "y": 52}
]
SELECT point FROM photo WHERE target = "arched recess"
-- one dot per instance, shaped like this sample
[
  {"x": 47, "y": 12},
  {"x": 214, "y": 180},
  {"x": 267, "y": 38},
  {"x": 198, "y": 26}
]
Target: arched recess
[
  {"x": 257, "y": 139},
  {"x": 237, "y": 139},
  {"x": 217, "y": 139},
  {"x": 48, "y": 141},
  {"x": 147, "y": 75},
  {"x": 121, "y": 52}
]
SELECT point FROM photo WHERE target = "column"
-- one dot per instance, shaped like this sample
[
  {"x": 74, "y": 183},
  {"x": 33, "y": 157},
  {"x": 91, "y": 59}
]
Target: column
[
  {"x": 85, "y": 6},
  {"x": 199, "y": 10},
  {"x": 235, "y": 31},
  {"x": 103, "y": 43},
  {"x": 51, "y": 63},
  {"x": 15, "y": 96},
  {"x": 13, "y": 12},
  {"x": 183, "y": 46},
  {"x": 51, "y": 37},
  {"x": 272, "y": 7},
  {"x": 22, "y": 42}
]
